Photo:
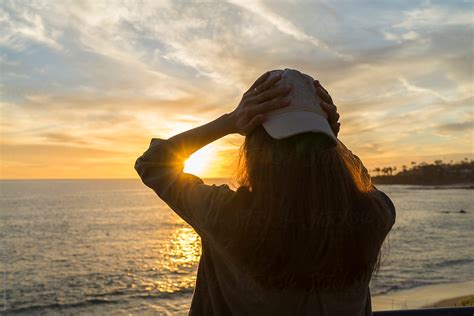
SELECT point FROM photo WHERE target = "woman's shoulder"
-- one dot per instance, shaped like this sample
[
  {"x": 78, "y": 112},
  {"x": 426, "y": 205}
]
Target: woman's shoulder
[
  {"x": 386, "y": 208},
  {"x": 388, "y": 202}
]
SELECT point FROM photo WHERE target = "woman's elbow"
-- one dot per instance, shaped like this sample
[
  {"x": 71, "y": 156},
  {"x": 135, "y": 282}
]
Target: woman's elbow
[{"x": 140, "y": 168}]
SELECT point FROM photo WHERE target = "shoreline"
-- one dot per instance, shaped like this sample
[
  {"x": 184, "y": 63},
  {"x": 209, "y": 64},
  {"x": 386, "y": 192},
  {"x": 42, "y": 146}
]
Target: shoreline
[
  {"x": 425, "y": 296},
  {"x": 467, "y": 300}
]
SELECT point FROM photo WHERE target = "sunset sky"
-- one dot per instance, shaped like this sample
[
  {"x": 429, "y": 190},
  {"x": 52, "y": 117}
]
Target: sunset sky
[{"x": 85, "y": 85}]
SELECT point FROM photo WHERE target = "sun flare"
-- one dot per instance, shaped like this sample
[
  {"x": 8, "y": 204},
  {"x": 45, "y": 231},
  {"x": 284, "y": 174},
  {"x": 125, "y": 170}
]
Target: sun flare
[{"x": 199, "y": 162}]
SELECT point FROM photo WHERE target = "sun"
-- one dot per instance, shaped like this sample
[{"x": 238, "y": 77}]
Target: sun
[{"x": 199, "y": 162}]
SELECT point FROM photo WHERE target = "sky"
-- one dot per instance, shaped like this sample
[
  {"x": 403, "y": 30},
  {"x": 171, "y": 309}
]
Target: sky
[{"x": 85, "y": 85}]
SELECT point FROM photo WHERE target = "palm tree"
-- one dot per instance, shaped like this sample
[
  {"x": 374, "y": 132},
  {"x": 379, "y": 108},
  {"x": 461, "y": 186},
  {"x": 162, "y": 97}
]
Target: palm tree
[{"x": 377, "y": 170}]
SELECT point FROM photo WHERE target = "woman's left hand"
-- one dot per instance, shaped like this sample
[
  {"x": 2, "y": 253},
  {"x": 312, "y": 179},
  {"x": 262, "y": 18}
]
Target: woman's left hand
[
  {"x": 328, "y": 106},
  {"x": 263, "y": 96}
]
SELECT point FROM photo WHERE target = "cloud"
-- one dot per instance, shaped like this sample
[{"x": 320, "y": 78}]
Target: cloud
[
  {"x": 285, "y": 26},
  {"x": 63, "y": 138},
  {"x": 457, "y": 127},
  {"x": 19, "y": 27},
  {"x": 409, "y": 36},
  {"x": 413, "y": 88},
  {"x": 436, "y": 15}
]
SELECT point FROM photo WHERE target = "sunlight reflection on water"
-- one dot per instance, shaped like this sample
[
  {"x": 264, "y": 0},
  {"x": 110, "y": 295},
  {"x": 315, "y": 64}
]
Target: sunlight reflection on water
[
  {"x": 186, "y": 247},
  {"x": 181, "y": 256}
]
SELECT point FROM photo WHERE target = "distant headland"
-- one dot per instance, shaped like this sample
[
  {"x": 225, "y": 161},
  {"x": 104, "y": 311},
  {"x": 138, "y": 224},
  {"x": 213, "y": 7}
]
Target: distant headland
[{"x": 437, "y": 173}]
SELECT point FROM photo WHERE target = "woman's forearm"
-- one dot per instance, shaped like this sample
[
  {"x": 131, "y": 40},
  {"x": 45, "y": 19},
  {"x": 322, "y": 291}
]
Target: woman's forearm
[{"x": 192, "y": 140}]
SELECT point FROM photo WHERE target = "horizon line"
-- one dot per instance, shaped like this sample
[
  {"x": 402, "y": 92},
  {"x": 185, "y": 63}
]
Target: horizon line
[{"x": 16, "y": 179}]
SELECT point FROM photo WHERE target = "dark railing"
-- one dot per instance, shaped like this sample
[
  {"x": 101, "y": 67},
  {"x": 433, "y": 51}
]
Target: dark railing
[{"x": 442, "y": 311}]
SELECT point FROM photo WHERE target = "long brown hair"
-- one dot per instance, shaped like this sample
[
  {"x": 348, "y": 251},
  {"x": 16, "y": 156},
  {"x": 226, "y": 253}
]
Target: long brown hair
[{"x": 314, "y": 219}]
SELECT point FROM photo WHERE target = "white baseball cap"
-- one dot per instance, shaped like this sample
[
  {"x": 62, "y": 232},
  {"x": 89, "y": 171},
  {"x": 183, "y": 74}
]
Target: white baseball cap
[{"x": 303, "y": 114}]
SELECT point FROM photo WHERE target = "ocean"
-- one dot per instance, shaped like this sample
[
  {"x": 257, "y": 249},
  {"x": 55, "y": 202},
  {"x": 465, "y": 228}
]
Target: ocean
[{"x": 113, "y": 247}]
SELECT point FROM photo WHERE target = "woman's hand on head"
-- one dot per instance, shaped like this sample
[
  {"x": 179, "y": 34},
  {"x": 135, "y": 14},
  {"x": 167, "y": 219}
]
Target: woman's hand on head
[
  {"x": 263, "y": 96},
  {"x": 328, "y": 106}
]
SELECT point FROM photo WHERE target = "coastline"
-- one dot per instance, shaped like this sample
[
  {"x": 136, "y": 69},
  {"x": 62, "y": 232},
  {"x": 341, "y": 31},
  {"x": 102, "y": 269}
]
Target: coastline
[{"x": 425, "y": 296}]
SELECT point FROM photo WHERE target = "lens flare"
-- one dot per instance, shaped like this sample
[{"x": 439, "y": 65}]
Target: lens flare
[{"x": 199, "y": 162}]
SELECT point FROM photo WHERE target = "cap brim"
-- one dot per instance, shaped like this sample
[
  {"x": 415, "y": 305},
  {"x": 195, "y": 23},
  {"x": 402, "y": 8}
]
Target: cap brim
[{"x": 282, "y": 125}]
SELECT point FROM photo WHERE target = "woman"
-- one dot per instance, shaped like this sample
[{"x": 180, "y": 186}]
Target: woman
[{"x": 302, "y": 234}]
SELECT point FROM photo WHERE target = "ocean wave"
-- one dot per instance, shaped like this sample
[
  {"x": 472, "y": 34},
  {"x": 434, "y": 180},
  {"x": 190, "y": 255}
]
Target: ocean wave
[
  {"x": 450, "y": 263},
  {"x": 178, "y": 293},
  {"x": 120, "y": 297},
  {"x": 401, "y": 286},
  {"x": 36, "y": 308}
]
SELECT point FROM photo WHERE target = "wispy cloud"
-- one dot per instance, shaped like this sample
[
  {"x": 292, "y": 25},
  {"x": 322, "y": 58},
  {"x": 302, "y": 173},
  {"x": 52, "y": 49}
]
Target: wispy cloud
[
  {"x": 411, "y": 87},
  {"x": 285, "y": 26},
  {"x": 428, "y": 15},
  {"x": 457, "y": 127},
  {"x": 22, "y": 26}
]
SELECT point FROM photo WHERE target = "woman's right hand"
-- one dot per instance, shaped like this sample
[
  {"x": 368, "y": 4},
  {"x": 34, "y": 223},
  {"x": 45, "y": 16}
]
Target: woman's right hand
[
  {"x": 260, "y": 98},
  {"x": 328, "y": 106}
]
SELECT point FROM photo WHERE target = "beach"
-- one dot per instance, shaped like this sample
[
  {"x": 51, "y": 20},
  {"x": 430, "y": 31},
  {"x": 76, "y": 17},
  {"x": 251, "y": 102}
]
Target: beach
[
  {"x": 467, "y": 300},
  {"x": 438, "y": 295}
]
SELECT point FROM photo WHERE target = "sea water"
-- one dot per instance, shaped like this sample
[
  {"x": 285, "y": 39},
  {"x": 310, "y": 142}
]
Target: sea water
[{"x": 113, "y": 247}]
